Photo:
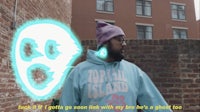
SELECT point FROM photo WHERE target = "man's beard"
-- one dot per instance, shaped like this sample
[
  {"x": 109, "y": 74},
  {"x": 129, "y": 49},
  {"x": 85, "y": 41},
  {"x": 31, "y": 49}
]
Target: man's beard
[{"x": 116, "y": 55}]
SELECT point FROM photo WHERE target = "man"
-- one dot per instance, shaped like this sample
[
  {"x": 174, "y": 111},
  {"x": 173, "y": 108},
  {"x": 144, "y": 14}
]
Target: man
[{"x": 105, "y": 82}]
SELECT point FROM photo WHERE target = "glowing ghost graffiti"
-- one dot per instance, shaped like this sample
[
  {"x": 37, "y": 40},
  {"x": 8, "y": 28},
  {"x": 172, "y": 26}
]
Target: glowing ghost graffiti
[{"x": 46, "y": 45}]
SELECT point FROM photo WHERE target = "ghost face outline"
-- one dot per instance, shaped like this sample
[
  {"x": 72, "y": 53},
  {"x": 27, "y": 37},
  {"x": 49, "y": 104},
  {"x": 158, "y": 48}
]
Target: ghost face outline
[{"x": 53, "y": 49}]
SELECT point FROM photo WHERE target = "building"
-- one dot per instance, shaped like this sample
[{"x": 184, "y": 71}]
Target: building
[{"x": 140, "y": 19}]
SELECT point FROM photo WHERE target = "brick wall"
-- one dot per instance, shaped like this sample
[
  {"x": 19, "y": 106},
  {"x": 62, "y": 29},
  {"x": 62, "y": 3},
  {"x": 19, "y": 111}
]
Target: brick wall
[
  {"x": 10, "y": 94},
  {"x": 173, "y": 65}
]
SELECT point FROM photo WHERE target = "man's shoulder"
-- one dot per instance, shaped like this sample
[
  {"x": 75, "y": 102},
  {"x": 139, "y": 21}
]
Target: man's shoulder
[
  {"x": 83, "y": 64},
  {"x": 127, "y": 63}
]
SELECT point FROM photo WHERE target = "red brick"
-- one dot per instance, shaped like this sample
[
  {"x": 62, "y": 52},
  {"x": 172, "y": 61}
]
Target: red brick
[
  {"x": 187, "y": 80},
  {"x": 189, "y": 100},
  {"x": 175, "y": 90}
]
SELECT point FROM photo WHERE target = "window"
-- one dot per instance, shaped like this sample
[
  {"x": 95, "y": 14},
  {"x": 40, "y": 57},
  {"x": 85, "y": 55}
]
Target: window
[
  {"x": 144, "y": 32},
  {"x": 179, "y": 33},
  {"x": 104, "y": 5},
  {"x": 143, "y": 7},
  {"x": 178, "y": 11}
]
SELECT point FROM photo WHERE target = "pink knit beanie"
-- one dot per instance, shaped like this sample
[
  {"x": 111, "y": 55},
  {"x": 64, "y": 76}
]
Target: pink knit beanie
[{"x": 106, "y": 31}]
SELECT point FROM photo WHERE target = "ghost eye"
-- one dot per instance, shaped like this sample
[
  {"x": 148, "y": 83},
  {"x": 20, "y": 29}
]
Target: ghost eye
[
  {"x": 28, "y": 49},
  {"x": 51, "y": 50}
]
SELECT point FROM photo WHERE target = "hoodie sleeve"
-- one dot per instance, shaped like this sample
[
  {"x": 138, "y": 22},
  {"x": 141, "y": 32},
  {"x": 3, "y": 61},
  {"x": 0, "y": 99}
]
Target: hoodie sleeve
[
  {"x": 70, "y": 92},
  {"x": 149, "y": 95}
]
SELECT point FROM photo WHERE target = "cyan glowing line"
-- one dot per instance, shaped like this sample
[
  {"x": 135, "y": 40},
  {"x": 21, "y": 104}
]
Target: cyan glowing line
[
  {"x": 48, "y": 73},
  {"x": 102, "y": 53}
]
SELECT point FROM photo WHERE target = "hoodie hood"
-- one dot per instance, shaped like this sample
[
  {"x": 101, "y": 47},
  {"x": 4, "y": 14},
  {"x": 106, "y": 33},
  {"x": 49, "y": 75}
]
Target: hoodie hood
[
  {"x": 92, "y": 58},
  {"x": 106, "y": 31}
]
